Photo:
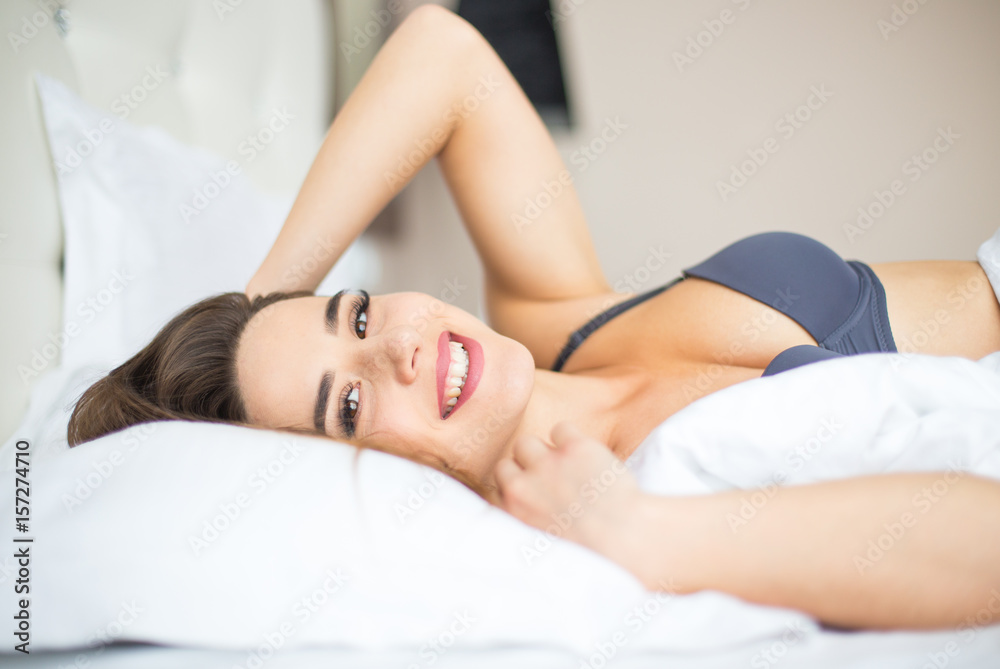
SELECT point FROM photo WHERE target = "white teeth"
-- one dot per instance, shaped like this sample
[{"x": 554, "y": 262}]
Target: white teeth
[{"x": 458, "y": 371}]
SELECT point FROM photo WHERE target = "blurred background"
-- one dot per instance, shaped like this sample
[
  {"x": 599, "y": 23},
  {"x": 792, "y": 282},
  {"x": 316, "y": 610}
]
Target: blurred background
[
  {"x": 870, "y": 125},
  {"x": 735, "y": 117},
  {"x": 717, "y": 131}
]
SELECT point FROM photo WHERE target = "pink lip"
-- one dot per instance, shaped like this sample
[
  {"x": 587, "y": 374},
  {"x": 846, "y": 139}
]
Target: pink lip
[{"x": 444, "y": 362}]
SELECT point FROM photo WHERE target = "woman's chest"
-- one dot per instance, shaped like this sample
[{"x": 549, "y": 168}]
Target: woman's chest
[
  {"x": 694, "y": 331},
  {"x": 661, "y": 392}
]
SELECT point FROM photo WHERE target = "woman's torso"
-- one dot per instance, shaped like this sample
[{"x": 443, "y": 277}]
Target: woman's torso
[
  {"x": 699, "y": 336},
  {"x": 693, "y": 339}
]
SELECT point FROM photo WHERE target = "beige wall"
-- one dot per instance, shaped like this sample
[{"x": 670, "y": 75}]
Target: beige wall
[{"x": 656, "y": 185}]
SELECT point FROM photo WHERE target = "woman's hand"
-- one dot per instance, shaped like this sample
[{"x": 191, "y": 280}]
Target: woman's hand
[
  {"x": 902, "y": 550},
  {"x": 576, "y": 489}
]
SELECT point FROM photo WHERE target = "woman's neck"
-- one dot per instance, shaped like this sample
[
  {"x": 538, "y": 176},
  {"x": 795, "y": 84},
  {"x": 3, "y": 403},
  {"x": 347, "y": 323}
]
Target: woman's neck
[{"x": 594, "y": 401}]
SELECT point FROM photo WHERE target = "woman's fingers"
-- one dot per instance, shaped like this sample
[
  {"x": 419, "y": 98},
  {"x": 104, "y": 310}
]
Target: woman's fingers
[
  {"x": 565, "y": 432},
  {"x": 506, "y": 471},
  {"x": 578, "y": 484},
  {"x": 528, "y": 450}
]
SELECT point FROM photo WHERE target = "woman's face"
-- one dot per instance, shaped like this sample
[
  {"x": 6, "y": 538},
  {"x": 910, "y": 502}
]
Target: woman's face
[{"x": 380, "y": 373}]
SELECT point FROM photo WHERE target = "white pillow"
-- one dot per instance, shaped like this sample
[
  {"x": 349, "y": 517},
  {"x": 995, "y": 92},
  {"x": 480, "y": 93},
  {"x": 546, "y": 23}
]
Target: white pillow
[
  {"x": 151, "y": 226},
  {"x": 222, "y": 536}
]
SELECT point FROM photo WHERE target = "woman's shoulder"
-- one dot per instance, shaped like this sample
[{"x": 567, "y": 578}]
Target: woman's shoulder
[{"x": 545, "y": 326}]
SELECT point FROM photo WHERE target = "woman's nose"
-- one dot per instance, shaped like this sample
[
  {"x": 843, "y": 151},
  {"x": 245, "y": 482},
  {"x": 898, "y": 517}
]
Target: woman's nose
[{"x": 395, "y": 353}]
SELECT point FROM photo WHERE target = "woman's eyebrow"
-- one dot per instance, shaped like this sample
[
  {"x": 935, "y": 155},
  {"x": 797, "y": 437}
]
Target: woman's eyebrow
[
  {"x": 332, "y": 312},
  {"x": 322, "y": 400},
  {"x": 323, "y": 395}
]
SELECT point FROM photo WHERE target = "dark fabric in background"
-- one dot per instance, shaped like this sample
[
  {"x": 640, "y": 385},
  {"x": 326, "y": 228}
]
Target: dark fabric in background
[{"x": 523, "y": 36}]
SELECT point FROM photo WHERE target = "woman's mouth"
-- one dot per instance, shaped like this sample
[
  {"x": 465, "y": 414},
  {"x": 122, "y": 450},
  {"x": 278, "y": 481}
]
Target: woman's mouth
[{"x": 459, "y": 368}]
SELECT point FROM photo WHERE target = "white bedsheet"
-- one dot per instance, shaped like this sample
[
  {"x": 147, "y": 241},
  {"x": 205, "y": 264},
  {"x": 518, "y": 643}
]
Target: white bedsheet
[
  {"x": 859, "y": 415},
  {"x": 838, "y": 418}
]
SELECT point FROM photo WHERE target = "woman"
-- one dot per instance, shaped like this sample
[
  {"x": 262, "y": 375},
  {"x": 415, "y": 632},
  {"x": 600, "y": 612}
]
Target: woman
[{"x": 409, "y": 375}]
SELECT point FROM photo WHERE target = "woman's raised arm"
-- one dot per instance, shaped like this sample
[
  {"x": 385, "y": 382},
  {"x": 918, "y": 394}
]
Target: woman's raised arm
[{"x": 436, "y": 86}]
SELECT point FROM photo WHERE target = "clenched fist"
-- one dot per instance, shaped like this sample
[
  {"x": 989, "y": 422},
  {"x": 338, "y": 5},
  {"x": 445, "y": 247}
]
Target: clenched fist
[{"x": 576, "y": 489}]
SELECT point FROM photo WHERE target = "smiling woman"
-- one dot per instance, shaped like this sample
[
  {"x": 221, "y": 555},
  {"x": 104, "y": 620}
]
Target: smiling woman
[
  {"x": 410, "y": 375},
  {"x": 378, "y": 371}
]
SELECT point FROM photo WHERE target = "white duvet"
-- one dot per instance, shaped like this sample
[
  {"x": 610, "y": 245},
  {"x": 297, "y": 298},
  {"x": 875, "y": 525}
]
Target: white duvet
[{"x": 845, "y": 417}]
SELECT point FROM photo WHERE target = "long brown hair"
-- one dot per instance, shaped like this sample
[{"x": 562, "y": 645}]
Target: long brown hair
[{"x": 188, "y": 372}]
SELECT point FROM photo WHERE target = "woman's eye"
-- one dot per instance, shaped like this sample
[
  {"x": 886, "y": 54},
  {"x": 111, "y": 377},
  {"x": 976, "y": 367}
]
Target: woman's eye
[
  {"x": 360, "y": 315},
  {"x": 351, "y": 404}
]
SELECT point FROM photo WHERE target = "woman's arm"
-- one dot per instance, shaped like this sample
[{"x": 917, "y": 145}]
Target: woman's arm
[
  {"x": 437, "y": 87},
  {"x": 887, "y": 551}
]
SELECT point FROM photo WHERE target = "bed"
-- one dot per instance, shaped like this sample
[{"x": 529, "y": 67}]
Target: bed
[{"x": 152, "y": 128}]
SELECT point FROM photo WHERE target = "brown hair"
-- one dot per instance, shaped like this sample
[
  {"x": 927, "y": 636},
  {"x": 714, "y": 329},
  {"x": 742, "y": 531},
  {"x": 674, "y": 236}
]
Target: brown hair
[{"x": 188, "y": 372}]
